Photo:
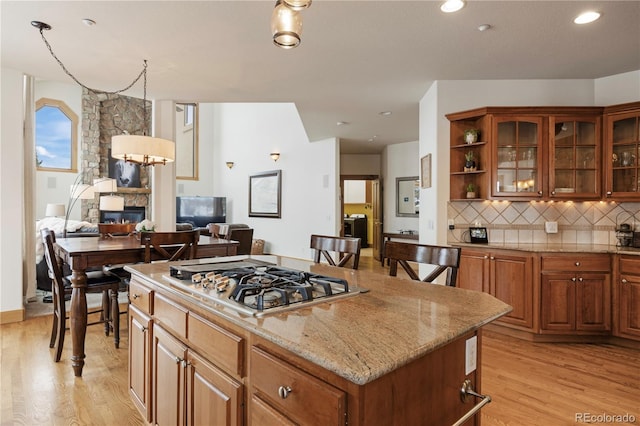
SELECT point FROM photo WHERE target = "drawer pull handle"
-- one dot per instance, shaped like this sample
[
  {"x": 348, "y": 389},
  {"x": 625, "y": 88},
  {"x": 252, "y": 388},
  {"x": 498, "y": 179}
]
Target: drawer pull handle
[
  {"x": 624, "y": 281},
  {"x": 143, "y": 329},
  {"x": 580, "y": 279},
  {"x": 465, "y": 391},
  {"x": 573, "y": 279},
  {"x": 577, "y": 263},
  {"x": 284, "y": 391},
  {"x": 135, "y": 296},
  {"x": 178, "y": 360}
]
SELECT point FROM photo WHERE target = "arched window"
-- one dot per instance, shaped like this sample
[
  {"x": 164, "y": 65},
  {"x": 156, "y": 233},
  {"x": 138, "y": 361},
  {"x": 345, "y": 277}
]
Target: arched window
[{"x": 56, "y": 136}]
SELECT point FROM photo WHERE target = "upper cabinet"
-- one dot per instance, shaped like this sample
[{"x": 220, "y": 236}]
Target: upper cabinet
[
  {"x": 529, "y": 153},
  {"x": 357, "y": 191},
  {"x": 622, "y": 141}
]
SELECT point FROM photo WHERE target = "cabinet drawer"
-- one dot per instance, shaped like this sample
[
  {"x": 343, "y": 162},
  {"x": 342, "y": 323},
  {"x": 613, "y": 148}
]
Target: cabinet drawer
[
  {"x": 309, "y": 400},
  {"x": 141, "y": 297},
  {"x": 224, "y": 348},
  {"x": 576, "y": 263},
  {"x": 630, "y": 265},
  {"x": 170, "y": 315}
]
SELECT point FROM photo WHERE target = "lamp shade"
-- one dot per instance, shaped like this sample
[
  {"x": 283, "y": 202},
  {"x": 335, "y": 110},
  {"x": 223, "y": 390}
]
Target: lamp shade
[
  {"x": 82, "y": 191},
  {"x": 286, "y": 26},
  {"x": 143, "y": 150},
  {"x": 105, "y": 185},
  {"x": 54, "y": 210},
  {"x": 111, "y": 203}
]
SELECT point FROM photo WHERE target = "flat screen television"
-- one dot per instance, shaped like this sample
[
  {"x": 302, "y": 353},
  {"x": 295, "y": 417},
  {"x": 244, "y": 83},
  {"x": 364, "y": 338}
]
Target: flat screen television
[{"x": 200, "y": 211}]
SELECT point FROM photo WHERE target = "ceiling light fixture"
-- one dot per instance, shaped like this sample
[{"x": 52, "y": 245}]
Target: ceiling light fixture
[
  {"x": 341, "y": 123},
  {"x": 484, "y": 27},
  {"x": 450, "y": 6},
  {"x": 586, "y": 17},
  {"x": 140, "y": 149},
  {"x": 88, "y": 22},
  {"x": 286, "y": 22},
  {"x": 385, "y": 113},
  {"x": 275, "y": 156}
]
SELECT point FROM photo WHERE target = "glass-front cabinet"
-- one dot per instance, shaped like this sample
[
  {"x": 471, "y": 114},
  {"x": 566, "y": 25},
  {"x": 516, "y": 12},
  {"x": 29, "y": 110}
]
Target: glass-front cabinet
[
  {"x": 518, "y": 143},
  {"x": 622, "y": 139},
  {"x": 574, "y": 160}
]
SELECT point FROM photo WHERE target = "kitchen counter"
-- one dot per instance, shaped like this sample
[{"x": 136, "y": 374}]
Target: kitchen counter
[
  {"x": 365, "y": 336},
  {"x": 554, "y": 248}
]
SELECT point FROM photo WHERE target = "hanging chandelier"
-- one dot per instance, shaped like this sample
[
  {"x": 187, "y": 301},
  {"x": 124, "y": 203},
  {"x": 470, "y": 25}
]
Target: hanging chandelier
[
  {"x": 286, "y": 22},
  {"x": 140, "y": 149}
]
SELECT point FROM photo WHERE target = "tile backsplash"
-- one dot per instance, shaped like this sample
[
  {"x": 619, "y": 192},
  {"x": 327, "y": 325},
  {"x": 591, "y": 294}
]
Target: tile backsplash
[{"x": 588, "y": 222}]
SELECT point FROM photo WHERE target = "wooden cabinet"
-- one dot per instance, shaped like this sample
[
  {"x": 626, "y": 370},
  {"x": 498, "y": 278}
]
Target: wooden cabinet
[
  {"x": 139, "y": 357},
  {"x": 529, "y": 153},
  {"x": 627, "y": 297},
  {"x": 622, "y": 153},
  {"x": 507, "y": 275},
  {"x": 187, "y": 389},
  {"x": 286, "y": 389},
  {"x": 575, "y": 294},
  {"x": 140, "y": 333},
  {"x": 357, "y": 191}
]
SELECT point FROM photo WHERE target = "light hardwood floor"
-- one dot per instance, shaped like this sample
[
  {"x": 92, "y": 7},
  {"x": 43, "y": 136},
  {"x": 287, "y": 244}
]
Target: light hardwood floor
[{"x": 530, "y": 383}]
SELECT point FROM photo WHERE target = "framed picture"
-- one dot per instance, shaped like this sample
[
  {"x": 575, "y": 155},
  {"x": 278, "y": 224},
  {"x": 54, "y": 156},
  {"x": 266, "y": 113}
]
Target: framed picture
[
  {"x": 425, "y": 167},
  {"x": 264, "y": 194},
  {"x": 126, "y": 174}
]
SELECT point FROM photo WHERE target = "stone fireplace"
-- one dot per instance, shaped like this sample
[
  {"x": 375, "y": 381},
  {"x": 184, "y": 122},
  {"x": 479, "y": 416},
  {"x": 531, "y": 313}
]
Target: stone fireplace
[{"x": 103, "y": 116}]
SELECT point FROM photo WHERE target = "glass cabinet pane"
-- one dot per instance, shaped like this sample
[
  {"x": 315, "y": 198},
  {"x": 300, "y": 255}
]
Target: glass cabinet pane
[
  {"x": 517, "y": 157},
  {"x": 625, "y": 130}
]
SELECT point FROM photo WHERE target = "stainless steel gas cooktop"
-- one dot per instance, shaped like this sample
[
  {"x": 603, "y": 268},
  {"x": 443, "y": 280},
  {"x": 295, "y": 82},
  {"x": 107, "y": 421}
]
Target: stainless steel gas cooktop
[{"x": 257, "y": 288}]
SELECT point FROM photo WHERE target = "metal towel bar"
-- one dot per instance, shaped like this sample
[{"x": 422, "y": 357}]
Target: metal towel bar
[{"x": 465, "y": 391}]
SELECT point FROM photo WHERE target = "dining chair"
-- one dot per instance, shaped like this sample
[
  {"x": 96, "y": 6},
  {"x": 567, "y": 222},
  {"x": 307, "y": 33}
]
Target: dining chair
[
  {"x": 97, "y": 282},
  {"x": 443, "y": 258},
  {"x": 244, "y": 236},
  {"x": 178, "y": 245},
  {"x": 336, "y": 250}
]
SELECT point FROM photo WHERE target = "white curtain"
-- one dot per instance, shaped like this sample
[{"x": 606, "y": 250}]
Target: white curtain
[{"x": 28, "y": 244}]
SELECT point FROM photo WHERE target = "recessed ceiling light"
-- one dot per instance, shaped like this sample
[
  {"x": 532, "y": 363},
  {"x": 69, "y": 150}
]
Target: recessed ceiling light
[
  {"x": 373, "y": 138},
  {"x": 385, "y": 113},
  {"x": 484, "y": 27},
  {"x": 587, "y": 17},
  {"x": 452, "y": 6},
  {"x": 341, "y": 123},
  {"x": 88, "y": 22}
]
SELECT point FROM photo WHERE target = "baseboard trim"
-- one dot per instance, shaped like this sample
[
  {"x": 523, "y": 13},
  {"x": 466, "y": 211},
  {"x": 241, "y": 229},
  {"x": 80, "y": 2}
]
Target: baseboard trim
[{"x": 7, "y": 317}]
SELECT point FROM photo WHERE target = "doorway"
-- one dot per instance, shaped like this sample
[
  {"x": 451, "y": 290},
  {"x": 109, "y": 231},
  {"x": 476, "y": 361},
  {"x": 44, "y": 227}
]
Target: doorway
[{"x": 361, "y": 211}]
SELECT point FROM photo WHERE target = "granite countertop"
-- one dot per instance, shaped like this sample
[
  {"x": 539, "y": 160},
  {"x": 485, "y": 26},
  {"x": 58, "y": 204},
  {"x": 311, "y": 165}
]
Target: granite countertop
[
  {"x": 554, "y": 248},
  {"x": 362, "y": 337}
]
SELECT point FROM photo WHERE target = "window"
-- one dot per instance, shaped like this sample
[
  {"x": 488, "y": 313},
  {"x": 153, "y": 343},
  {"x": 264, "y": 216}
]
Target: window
[{"x": 56, "y": 136}]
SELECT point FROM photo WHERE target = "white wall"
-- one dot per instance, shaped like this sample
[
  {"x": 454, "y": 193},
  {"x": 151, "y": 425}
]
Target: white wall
[
  {"x": 618, "y": 89},
  {"x": 11, "y": 195},
  {"x": 246, "y": 134},
  {"x": 401, "y": 161},
  {"x": 53, "y": 187}
]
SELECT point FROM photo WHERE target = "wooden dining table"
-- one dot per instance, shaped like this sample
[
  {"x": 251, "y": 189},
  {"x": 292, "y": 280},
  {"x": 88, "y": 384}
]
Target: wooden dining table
[{"x": 85, "y": 252}]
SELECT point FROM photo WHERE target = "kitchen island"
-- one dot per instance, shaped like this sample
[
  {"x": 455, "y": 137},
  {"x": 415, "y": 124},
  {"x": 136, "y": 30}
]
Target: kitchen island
[{"x": 398, "y": 353}]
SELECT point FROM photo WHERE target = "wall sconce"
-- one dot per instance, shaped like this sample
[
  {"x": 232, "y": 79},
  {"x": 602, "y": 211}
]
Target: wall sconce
[
  {"x": 275, "y": 156},
  {"x": 230, "y": 164}
]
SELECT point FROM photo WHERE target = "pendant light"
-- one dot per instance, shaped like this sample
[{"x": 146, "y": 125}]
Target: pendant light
[
  {"x": 286, "y": 26},
  {"x": 139, "y": 149}
]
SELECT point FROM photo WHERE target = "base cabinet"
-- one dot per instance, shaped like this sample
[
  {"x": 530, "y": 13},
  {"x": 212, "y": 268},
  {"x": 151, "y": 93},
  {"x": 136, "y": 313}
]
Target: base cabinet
[
  {"x": 577, "y": 300},
  {"x": 139, "y": 356},
  {"x": 627, "y": 295},
  {"x": 507, "y": 275}
]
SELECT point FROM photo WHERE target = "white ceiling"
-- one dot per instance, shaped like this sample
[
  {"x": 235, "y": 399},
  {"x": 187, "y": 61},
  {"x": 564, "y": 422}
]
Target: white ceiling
[{"x": 356, "y": 59}]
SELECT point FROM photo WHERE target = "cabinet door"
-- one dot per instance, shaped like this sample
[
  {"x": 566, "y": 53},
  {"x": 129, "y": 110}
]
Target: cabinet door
[
  {"x": 512, "y": 282},
  {"x": 593, "y": 302},
  {"x": 517, "y": 154},
  {"x": 622, "y": 169},
  {"x": 140, "y": 361},
  {"x": 213, "y": 398},
  {"x": 169, "y": 359},
  {"x": 629, "y": 306},
  {"x": 574, "y": 157},
  {"x": 473, "y": 273},
  {"x": 355, "y": 191},
  {"x": 557, "y": 302}
]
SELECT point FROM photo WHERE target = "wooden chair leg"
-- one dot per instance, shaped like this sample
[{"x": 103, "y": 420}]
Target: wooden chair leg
[
  {"x": 60, "y": 331},
  {"x": 106, "y": 311},
  {"x": 115, "y": 317},
  {"x": 54, "y": 326}
]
